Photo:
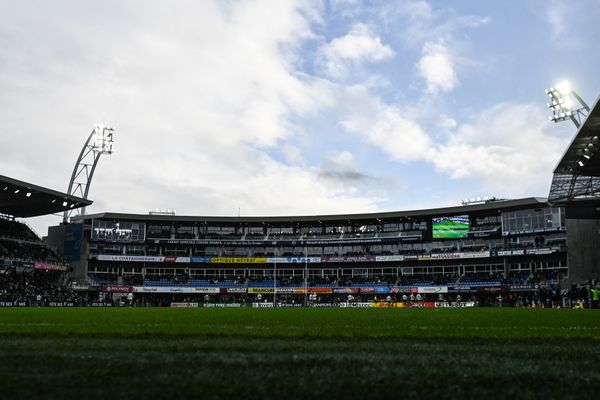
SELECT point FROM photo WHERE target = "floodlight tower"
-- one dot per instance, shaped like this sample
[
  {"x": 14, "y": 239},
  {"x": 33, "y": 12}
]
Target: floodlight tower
[
  {"x": 99, "y": 142},
  {"x": 563, "y": 103}
]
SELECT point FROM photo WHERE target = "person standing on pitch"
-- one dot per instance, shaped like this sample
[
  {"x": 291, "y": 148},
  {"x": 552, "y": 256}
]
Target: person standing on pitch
[
  {"x": 130, "y": 299},
  {"x": 595, "y": 296}
]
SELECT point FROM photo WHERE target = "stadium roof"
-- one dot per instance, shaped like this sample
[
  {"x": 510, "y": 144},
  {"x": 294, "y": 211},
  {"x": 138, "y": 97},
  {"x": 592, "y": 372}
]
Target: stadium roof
[
  {"x": 576, "y": 180},
  {"x": 22, "y": 199},
  {"x": 504, "y": 205},
  {"x": 588, "y": 133}
]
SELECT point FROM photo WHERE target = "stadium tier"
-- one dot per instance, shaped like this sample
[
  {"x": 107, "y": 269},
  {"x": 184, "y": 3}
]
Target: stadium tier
[{"x": 511, "y": 248}]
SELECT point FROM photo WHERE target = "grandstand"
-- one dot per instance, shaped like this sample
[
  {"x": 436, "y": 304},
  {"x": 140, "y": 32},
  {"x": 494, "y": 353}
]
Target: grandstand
[
  {"x": 28, "y": 266},
  {"x": 496, "y": 247}
]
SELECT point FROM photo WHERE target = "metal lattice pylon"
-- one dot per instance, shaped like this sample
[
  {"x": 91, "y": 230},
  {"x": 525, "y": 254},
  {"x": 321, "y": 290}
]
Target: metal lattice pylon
[{"x": 99, "y": 142}]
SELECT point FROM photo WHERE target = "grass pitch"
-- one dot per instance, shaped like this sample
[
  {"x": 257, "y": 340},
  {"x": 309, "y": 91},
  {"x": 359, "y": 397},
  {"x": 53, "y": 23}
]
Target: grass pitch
[{"x": 299, "y": 353}]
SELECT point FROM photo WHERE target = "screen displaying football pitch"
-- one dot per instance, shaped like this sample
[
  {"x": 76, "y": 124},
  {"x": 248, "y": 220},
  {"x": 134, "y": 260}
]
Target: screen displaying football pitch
[{"x": 450, "y": 227}]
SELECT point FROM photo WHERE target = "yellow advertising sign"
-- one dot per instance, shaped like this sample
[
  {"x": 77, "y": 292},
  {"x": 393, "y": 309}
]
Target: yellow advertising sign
[
  {"x": 261, "y": 290},
  {"x": 387, "y": 304},
  {"x": 239, "y": 260}
]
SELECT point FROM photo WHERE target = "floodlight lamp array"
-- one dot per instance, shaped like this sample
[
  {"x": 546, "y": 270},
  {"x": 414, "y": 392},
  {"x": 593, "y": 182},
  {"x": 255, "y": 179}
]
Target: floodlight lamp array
[
  {"x": 566, "y": 104},
  {"x": 102, "y": 141},
  {"x": 586, "y": 154},
  {"x": 561, "y": 103}
]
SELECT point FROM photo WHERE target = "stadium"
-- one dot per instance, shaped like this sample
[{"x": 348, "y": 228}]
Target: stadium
[
  {"x": 482, "y": 299},
  {"x": 528, "y": 252}
]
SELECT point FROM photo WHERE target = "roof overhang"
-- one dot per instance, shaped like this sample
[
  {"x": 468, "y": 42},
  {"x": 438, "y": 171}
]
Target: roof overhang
[
  {"x": 473, "y": 209},
  {"x": 23, "y": 199},
  {"x": 587, "y": 137}
]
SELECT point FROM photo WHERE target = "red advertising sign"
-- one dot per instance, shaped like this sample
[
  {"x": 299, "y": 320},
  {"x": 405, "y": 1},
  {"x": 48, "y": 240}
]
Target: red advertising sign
[{"x": 116, "y": 289}]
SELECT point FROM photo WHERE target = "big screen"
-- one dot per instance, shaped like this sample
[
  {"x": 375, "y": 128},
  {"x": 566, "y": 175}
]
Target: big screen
[{"x": 450, "y": 227}]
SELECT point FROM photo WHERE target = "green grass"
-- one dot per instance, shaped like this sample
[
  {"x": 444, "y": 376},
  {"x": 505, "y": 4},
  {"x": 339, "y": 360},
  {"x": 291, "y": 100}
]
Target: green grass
[{"x": 299, "y": 353}]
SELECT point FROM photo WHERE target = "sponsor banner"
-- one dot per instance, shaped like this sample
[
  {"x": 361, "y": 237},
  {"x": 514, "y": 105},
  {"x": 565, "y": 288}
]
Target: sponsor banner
[
  {"x": 331, "y": 259},
  {"x": 293, "y": 260},
  {"x": 61, "y": 304},
  {"x": 511, "y": 252},
  {"x": 285, "y": 290},
  {"x": 203, "y": 290},
  {"x": 446, "y": 256},
  {"x": 517, "y": 288},
  {"x": 367, "y": 290},
  {"x": 238, "y": 260},
  {"x": 221, "y": 305},
  {"x": 13, "y": 304},
  {"x": 424, "y": 258},
  {"x": 262, "y": 290},
  {"x": 101, "y": 304},
  {"x": 453, "y": 304},
  {"x": 389, "y": 258},
  {"x": 402, "y": 289},
  {"x": 116, "y": 289},
  {"x": 200, "y": 260},
  {"x": 365, "y": 304},
  {"x": 382, "y": 289},
  {"x": 320, "y": 290},
  {"x": 476, "y": 254},
  {"x": 432, "y": 289},
  {"x": 423, "y": 304},
  {"x": 387, "y": 304},
  {"x": 177, "y": 289},
  {"x": 52, "y": 267},
  {"x": 110, "y": 257},
  {"x": 146, "y": 289},
  {"x": 184, "y": 305},
  {"x": 540, "y": 230},
  {"x": 346, "y": 290},
  {"x": 323, "y": 305},
  {"x": 540, "y": 251},
  {"x": 299, "y": 243},
  {"x": 262, "y": 305},
  {"x": 236, "y": 290}
]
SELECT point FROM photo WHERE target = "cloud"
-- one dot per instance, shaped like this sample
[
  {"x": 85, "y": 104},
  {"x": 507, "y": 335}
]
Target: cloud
[
  {"x": 507, "y": 149},
  {"x": 384, "y": 126},
  {"x": 436, "y": 66},
  {"x": 423, "y": 23},
  {"x": 360, "y": 45},
  {"x": 340, "y": 167},
  {"x": 198, "y": 104},
  {"x": 555, "y": 15}
]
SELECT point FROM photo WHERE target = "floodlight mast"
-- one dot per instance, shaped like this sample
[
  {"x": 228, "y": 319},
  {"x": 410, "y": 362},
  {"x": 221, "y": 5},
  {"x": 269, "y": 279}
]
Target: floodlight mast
[
  {"x": 563, "y": 103},
  {"x": 99, "y": 142}
]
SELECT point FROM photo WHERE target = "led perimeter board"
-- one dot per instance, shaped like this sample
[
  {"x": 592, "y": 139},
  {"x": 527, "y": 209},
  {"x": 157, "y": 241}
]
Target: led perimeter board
[{"x": 450, "y": 227}]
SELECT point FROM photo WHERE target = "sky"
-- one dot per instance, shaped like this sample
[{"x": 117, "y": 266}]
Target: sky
[{"x": 269, "y": 107}]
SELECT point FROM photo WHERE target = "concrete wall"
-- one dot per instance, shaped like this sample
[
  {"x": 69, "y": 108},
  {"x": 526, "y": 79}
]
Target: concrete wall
[
  {"x": 56, "y": 239},
  {"x": 583, "y": 244}
]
